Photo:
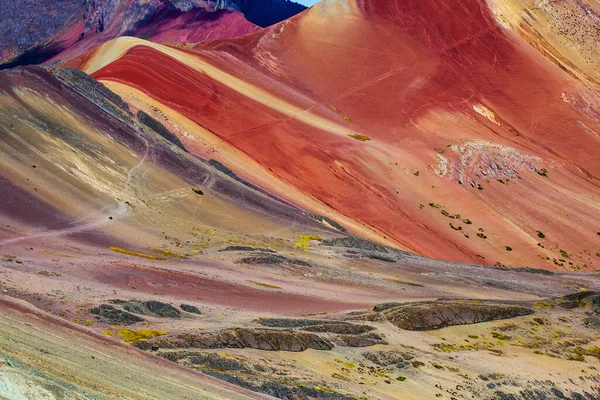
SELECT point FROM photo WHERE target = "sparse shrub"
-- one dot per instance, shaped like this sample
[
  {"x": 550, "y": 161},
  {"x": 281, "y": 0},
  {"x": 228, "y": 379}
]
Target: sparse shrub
[
  {"x": 540, "y": 234},
  {"x": 456, "y": 228},
  {"x": 359, "y": 137}
]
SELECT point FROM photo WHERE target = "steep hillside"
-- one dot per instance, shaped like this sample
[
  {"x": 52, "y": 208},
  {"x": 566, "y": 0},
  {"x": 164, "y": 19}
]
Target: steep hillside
[
  {"x": 36, "y": 33},
  {"x": 431, "y": 127},
  {"x": 255, "y": 217}
]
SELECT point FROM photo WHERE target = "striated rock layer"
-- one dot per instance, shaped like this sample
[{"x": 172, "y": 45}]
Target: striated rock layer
[
  {"x": 429, "y": 126},
  {"x": 54, "y": 30},
  {"x": 250, "y": 218}
]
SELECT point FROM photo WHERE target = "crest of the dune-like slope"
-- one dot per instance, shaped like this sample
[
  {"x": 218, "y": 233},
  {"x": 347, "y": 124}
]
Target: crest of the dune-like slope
[{"x": 432, "y": 125}]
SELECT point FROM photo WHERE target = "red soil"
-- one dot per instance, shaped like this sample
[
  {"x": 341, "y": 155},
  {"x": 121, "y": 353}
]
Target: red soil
[
  {"x": 174, "y": 28},
  {"x": 408, "y": 73},
  {"x": 187, "y": 286}
]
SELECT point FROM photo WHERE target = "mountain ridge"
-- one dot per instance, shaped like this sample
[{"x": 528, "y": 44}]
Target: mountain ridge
[{"x": 34, "y": 33}]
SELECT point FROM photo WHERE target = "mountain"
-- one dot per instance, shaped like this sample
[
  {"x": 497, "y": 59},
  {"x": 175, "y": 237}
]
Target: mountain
[
  {"x": 433, "y": 140},
  {"x": 382, "y": 199},
  {"x": 37, "y": 33},
  {"x": 263, "y": 12}
]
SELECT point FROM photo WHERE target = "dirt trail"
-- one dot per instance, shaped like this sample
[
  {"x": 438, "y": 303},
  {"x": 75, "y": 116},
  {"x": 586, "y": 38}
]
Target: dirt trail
[{"x": 96, "y": 219}]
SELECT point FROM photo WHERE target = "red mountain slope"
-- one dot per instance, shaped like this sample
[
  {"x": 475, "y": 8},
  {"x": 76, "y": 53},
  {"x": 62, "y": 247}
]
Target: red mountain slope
[{"x": 480, "y": 149}]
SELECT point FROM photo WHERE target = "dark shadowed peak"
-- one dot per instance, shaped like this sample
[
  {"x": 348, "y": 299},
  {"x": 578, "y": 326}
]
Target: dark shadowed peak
[{"x": 267, "y": 12}]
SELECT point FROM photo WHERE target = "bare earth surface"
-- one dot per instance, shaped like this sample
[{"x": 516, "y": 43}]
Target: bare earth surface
[{"x": 370, "y": 200}]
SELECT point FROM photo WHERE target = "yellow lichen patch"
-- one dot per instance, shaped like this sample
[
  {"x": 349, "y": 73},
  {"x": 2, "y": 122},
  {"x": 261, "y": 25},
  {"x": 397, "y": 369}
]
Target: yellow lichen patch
[
  {"x": 108, "y": 333},
  {"x": 305, "y": 239},
  {"x": 135, "y": 253},
  {"x": 362, "y": 138},
  {"x": 167, "y": 253},
  {"x": 320, "y": 388},
  {"x": 402, "y": 282},
  {"x": 264, "y": 285},
  {"x": 130, "y": 336},
  {"x": 541, "y": 304}
]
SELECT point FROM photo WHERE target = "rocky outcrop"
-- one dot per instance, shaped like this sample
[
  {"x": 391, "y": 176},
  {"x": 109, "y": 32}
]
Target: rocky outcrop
[
  {"x": 436, "y": 315},
  {"x": 588, "y": 300},
  {"x": 363, "y": 248},
  {"x": 272, "y": 259},
  {"x": 282, "y": 334},
  {"x": 256, "y": 377},
  {"x": 261, "y": 339},
  {"x": 574, "y": 300},
  {"x": 205, "y": 359},
  {"x": 386, "y": 358},
  {"x": 94, "y": 91},
  {"x": 246, "y": 248},
  {"x": 293, "y": 322},
  {"x": 190, "y": 309},
  {"x": 343, "y": 328},
  {"x": 159, "y": 128},
  {"x": 357, "y": 340},
  {"x": 149, "y": 308},
  {"x": 227, "y": 171},
  {"x": 114, "y": 315},
  {"x": 265, "y": 339}
]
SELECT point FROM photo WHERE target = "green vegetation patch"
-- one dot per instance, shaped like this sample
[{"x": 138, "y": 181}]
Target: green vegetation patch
[{"x": 356, "y": 136}]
